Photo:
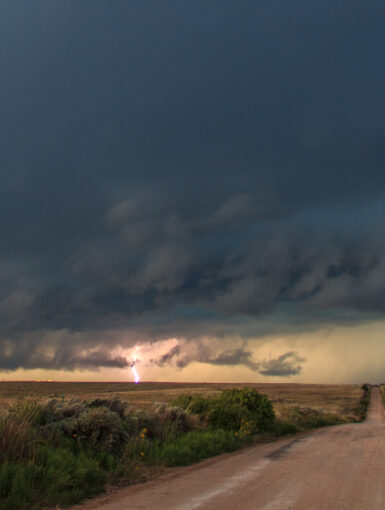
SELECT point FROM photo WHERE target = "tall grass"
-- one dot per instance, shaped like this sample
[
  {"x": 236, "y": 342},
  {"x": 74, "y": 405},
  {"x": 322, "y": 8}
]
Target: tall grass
[
  {"x": 16, "y": 434},
  {"x": 53, "y": 476},
  {"x": 191, "y": 447}
]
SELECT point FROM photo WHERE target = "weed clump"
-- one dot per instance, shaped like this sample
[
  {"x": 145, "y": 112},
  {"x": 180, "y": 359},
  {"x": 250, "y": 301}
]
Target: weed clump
[
  {"x": 364, "y": 402},
  {"x": 302, "y": 418}
]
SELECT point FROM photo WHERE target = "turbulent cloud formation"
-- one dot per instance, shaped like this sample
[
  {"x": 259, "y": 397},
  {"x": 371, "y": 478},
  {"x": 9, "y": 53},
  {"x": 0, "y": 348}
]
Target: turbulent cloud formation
[
  {"x": 184, "y": 353},
  {"x": 218, "y": 173},
  {"x": 57, "y": 354},
  {"x": 285, "y": 365},
  {"x": 181, "y": 355}
]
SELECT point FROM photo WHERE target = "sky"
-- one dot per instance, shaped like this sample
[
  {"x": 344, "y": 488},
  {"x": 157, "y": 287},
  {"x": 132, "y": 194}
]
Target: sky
[{"x": 194, "y": 187}]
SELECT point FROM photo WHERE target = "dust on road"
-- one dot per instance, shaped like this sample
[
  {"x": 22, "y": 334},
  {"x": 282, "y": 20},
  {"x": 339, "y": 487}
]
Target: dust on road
[{"x": 337, "y": 468}]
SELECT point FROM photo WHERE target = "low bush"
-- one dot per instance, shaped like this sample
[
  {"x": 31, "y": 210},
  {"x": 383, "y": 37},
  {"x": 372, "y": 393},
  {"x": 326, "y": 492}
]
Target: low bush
[
  {"x": 136, "y": 421},
  {"x": 232, "y": 409},
  {"x": 194, "y": 404},
  {"x": 225, "y": 415},
  {"x": 257, "y": 405},
  {"x": 113, "y": 404},
  {"x": 97, "y": 427},
  {"x": 173, "y": 419}
]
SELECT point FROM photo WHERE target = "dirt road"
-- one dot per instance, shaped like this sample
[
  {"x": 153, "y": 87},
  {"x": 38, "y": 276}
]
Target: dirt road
[{"x": 337, "y": 468}]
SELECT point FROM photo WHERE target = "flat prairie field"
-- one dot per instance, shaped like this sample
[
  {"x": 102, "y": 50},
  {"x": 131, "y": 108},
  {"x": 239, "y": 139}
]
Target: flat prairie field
[{"x": 342, "y": 400}]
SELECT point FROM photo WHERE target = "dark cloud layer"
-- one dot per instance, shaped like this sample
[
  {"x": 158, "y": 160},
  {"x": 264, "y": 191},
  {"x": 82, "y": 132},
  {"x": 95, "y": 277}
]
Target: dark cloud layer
[
  {"x": 285, "y": 365},
  {"x": 53, "y": 351},
  {"x": 168, "y": 168},
  {"x": 182, "y": 354}
]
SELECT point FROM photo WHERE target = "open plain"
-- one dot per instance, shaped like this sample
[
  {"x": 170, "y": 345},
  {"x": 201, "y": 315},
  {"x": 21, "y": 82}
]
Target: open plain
[{"x": 341, "y": 400}]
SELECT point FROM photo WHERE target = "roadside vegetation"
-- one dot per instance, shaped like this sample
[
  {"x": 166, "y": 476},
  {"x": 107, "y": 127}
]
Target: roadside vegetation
[
  {"x": 365, "y": 399},
  {"x": 61, "y": 452},
  {"x": 382, "y": 392}
]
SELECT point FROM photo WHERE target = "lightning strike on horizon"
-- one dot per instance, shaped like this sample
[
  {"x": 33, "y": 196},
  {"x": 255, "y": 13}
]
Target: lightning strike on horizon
[
  {"x": 136, "y": 375},
  {"x": 133, "y": 369}
]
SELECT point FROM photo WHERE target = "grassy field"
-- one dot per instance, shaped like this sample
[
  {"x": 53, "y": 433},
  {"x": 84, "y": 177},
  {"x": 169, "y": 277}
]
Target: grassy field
[
  {"x": 63, "y": 442},
  {"x": 340, "y": 400}
]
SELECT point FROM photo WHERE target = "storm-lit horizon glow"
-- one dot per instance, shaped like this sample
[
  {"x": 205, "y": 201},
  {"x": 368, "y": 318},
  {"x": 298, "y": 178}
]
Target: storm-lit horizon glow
[{"x": 198, "y": 185}]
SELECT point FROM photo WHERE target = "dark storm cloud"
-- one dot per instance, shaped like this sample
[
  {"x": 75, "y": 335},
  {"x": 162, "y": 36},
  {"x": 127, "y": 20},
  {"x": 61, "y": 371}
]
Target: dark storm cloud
[
  {"x": 172, "y": 167},
  {"x": 56, "y": 353},
  {"x": 285, "y": 365},
  {"x": 182, "y": 354}
]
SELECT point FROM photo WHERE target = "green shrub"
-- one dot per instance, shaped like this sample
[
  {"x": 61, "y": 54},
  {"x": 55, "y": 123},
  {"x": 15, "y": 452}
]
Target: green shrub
[
  {"x": 99, "y": 428},
  {"x": 183, "y": 401},
  {"x": 200, "y": 405},
  {"x": 137, "y": 421},
  {"x": 194, "y": 404},
  {"x": 225, "y": 415},
  {"x": 95, "y": 426},
  {"x": 259, "y": 407},
  {"x": 56, "y": 410},
  {"x": 113, "y": 404},
  {"x": 173, "y": 419},
  {"x": 232, "y": 408}
]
